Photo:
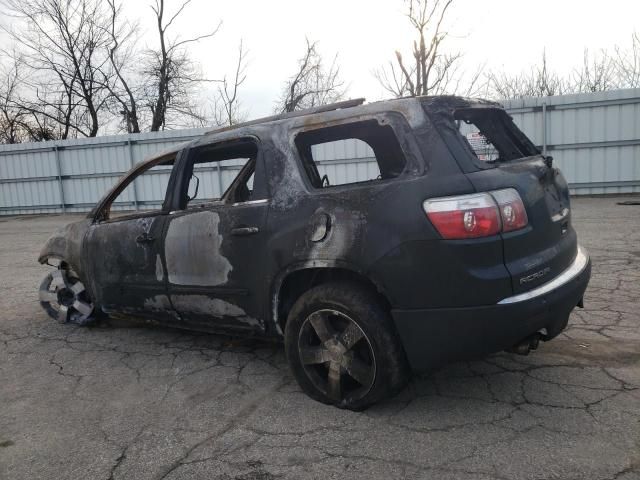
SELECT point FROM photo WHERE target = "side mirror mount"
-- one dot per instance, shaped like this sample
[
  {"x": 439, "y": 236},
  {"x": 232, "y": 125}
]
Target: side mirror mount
[{"x": 193, "y": 188}]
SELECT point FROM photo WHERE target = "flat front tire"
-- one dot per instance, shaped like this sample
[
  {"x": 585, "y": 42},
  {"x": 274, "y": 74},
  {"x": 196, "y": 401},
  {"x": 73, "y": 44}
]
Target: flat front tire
[{"x": 342, "y": 347}]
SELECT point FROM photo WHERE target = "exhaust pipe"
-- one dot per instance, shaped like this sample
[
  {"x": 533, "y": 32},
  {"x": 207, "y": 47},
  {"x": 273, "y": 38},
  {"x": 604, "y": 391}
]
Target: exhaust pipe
[{"x": 525, "y": 346}]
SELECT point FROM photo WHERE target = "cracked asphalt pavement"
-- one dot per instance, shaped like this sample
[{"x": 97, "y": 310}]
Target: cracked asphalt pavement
[{"x": 125, "y": 401}]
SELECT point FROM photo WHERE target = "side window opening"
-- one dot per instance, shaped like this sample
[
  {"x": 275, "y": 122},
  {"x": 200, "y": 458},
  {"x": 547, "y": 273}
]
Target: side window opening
[
  {"x": 222, "y": 171},
  {"x": 491, "y": 136},
  {"x": 352, "y": 153},
  {"x": 150, "y": 186}
]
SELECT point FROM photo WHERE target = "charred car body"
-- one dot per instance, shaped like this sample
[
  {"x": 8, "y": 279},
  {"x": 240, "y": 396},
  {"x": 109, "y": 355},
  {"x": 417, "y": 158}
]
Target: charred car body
[{"x": 439, "y": 253}]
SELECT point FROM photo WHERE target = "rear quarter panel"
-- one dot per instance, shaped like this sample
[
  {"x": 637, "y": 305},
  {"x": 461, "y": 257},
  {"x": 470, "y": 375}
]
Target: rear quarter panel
[{"x": 379, "y": 229}]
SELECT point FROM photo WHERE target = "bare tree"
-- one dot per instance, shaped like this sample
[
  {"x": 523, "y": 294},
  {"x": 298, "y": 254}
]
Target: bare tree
[
  {"x": 428, "y": 71},
  {"x": 172, "y": 76},
  {"x": 539, "y": 81},
  {"x": 11, "y": 116},
  {"x": 313, "y": 84},
  {"x": 600, "y": 71},
  {"x": 62, "y": 44},
  {"x": 18, "y": 124},
  {"x": 226, "y": 107},
  {"x": 627, "y": 63},
  {"x": 121, "y": 57},
  {"x": 81, "y": 69},
  {"x": 597, "y": 73}
]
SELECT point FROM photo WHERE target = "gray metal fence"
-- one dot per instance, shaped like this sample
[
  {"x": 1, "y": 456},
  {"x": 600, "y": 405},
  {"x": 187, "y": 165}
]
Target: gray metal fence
[
  {"x": 72, "y": 175},
  {"x": 594, "y": 139}
]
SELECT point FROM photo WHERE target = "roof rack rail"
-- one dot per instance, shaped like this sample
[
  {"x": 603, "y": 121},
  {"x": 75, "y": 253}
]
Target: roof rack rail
[{"x": 298, "y": 113}]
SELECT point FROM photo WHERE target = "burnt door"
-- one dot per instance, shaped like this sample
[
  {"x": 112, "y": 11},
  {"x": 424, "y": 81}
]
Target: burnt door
[
  {"x": 126, "y": 265},
  {"x": 215, "y": 247},
  {"x": 124, "y": 250},
  {"x": 215, "y": 262}
]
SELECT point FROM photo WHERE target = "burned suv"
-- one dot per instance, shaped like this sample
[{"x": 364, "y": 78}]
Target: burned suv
[{"x": 453, "y": 239}]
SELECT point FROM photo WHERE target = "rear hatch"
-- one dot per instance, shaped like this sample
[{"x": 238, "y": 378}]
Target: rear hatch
[{"x": 495, "y": 154}]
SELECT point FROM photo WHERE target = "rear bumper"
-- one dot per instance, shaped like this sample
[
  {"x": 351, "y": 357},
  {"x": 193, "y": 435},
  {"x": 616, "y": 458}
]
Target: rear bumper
[{"x": 432, "y": 337}]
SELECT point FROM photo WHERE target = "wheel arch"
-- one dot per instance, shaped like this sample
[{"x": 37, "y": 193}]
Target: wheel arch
[
  {"x": 297, "y": 279},
  {"x": 66, "y": 244},
  {"x": 55, "y": 248}
]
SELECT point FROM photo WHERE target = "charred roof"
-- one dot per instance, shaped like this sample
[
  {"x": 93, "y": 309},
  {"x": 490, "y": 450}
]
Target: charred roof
[{"x": 410, "y": 107}]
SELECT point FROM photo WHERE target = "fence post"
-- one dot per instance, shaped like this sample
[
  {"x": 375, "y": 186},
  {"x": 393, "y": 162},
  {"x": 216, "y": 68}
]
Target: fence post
[
  {"x": 135, "y": 180},
  {"x": 63, "y": 203},
  {"x": 219, "y": 178},
  {"x": 544, "y": 128}
]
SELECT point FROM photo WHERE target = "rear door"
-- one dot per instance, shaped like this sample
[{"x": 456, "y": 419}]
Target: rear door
[
  {"x": 548, "y": 245},
  {"x": 215, "y": 247}
]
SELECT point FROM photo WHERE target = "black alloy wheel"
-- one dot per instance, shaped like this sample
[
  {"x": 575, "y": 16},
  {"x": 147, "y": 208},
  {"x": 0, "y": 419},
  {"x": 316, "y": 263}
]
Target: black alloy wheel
[{"x": 336, "y": 355}]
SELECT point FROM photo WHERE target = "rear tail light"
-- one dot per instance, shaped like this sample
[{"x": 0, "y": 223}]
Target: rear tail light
[
  {"x": 512, "y": 211},
  {"x": 466, "y": 216},
  {"x": 477, "y": 215}
]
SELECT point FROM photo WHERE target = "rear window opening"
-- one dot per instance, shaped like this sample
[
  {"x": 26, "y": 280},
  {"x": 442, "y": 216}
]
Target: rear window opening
[
  {"x": 491, "y": 136},
  {"x": 358, "y": 152}
]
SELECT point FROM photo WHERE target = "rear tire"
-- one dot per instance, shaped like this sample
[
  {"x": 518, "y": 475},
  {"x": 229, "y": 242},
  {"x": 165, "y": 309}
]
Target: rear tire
[{"x": 342, "y": 347}]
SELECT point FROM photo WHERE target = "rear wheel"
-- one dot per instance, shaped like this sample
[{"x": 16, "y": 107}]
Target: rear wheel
[
  {"x": 64, "y": 297},
  {"x": 342, "y": 347}
]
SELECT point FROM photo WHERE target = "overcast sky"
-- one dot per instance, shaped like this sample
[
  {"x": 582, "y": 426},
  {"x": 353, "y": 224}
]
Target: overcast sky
[{"x": 504, "y": 34}]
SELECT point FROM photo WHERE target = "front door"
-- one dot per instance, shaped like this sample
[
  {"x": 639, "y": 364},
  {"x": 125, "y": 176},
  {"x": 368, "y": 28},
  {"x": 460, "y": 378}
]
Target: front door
[
  {"x": 124, "y": 250},
  {"x": 215, "y": 247},
  {"x": 125, "y": 259}
]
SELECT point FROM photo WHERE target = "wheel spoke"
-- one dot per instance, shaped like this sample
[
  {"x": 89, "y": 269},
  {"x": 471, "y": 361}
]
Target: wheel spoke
[
  {"x": 334, "y": 389},
  {"x": 47, "y": 296},
  {"x": 320, "y": 324},
  {"x": 359, "y": 371},
  {"x": 57, "y": 278},
  {"x": 314, "y": 355},
  {"x": 351, "y": 335},
  {"x": 63, "y": 314},
  {"x": 84, "y": 308},
  {"x": 77, "y": 288}
]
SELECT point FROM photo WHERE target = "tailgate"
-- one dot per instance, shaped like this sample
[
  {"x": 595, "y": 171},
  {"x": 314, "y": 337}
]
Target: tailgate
[{"x": 547, "y": 246}]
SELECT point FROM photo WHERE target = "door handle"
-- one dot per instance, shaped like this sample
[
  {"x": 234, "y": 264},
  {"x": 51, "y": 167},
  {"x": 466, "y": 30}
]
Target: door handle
[
  {"x": 144, "y": 238},
  {"x": 244, "y": 231}
]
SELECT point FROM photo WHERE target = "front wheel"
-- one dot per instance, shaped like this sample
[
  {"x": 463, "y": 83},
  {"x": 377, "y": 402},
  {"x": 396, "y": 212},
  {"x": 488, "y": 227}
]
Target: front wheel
[
  {"x": 342, "y": 347},
  {"x": 64, "y": 297}
]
